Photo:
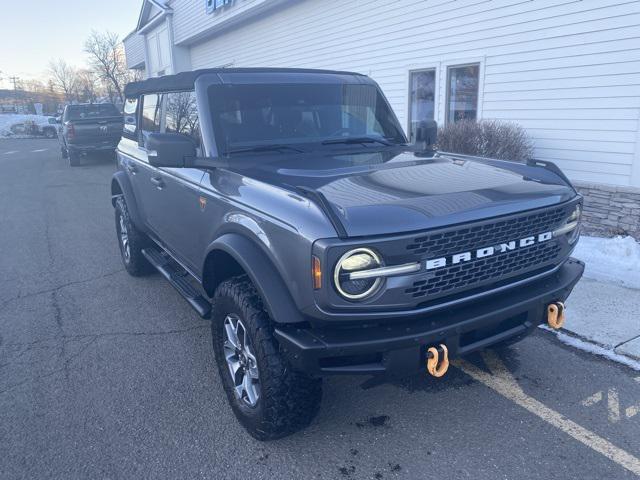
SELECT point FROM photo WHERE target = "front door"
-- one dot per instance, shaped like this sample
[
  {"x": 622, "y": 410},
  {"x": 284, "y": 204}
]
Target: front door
[{"x": 170, "y": 195}]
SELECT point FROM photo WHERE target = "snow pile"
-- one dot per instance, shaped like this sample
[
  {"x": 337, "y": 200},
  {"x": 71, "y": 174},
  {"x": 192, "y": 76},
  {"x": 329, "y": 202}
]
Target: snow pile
[
  {"x": 593, "y": 348},
  {"x": 613, "y": 260},
  {"x": 7, "y": 120}
]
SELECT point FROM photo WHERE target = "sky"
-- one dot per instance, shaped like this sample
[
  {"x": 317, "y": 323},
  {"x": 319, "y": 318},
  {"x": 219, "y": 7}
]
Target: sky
[{"x": 34, "y": 32}]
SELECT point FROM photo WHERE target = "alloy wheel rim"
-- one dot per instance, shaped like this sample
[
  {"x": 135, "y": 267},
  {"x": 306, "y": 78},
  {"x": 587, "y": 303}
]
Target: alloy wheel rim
[
  {"x": 124, "y": 240},
  {"x": 241, "y": 361}
]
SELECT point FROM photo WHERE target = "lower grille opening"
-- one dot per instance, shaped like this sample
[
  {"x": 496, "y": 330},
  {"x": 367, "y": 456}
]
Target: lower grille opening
[{"x": 488, "y": 332}]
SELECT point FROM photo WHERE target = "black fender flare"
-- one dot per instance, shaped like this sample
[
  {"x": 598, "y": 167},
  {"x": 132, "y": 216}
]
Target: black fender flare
[
  {"x": 264, "y": 275},
  {"x": 120, "y": 185}
]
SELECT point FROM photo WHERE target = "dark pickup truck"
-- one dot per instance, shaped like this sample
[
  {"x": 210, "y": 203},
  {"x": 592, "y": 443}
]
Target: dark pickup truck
[
  {"x": 287, "y": 206},
  {"x": 86, "y": 128}
]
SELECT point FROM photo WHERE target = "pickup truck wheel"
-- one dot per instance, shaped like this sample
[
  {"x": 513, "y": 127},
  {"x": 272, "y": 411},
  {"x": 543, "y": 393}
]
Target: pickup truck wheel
[
  {"x": 131, "y": 242},
  {"x": 49, "y": 133},
  {"x": 269, "y": 398},
  {"x": 74, "y": 159}
]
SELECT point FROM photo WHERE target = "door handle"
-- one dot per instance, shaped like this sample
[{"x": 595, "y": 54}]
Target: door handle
[{"x": 157, "y": 181}]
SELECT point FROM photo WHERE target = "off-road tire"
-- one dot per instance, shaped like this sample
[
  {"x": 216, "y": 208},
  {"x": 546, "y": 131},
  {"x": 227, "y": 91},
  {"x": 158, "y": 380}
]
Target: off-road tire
[
  {"x": 74, "y": 159},
  {"x": 289, "y": 400},
  {"x": 136, "y": 264}
]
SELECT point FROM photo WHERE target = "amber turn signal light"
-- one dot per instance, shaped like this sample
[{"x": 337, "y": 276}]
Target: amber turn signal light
[{"x": 316, "y": 272}]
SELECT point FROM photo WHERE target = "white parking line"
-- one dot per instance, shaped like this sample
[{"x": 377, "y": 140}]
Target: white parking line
[
  {"x": 501, "y": 381},
  {"x": 10, "y": 152},
  {"x": 39, "y": 150}
]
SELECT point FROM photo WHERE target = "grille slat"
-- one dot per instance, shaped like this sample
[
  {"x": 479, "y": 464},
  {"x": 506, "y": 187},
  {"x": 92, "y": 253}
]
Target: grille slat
[{"x": 474, "y": 273}]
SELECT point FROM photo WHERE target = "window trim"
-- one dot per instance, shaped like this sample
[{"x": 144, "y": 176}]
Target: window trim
[
  {"x": 446, "y": 72},
  {"x": 435, "y": 68}
]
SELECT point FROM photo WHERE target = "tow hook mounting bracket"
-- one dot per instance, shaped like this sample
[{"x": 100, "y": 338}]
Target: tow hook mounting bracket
[
  {"x": 434, "y": 366},
  {"x": 555, "y": 315}
]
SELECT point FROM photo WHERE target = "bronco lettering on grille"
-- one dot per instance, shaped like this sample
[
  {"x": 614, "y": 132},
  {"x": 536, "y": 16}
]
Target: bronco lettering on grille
[{"x": 461, "y": 257}]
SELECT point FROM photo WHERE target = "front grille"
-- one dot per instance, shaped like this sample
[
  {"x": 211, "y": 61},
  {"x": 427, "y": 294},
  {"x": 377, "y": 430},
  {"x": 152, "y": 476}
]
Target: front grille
[
  {"x": 488, "y": 270},
  {"x": 473, "y": 237}
]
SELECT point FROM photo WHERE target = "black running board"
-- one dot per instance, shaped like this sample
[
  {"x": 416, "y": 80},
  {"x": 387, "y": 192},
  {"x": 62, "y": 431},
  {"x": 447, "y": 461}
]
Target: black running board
[{"x": 178, "y": 278}]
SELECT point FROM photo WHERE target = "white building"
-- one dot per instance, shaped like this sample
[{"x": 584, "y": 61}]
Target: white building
[{"x": 567, "y": 71}]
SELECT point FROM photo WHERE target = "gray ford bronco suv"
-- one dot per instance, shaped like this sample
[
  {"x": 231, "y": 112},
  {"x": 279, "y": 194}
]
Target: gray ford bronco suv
[{"x": 287, "y": 206}]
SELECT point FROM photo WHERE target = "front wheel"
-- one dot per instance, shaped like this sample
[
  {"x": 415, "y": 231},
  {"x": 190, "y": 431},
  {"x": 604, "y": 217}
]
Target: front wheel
[{"x": 268, "y": 397}]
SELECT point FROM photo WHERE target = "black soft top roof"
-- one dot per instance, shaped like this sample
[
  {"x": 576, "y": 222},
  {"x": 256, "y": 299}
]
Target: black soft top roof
[{"x": 186, "y": 80}]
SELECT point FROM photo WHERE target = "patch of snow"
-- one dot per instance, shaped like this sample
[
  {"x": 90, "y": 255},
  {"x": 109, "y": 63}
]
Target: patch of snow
[
  {"x": 7, "y": 120},
  {"x": 611, "y": 260},
  {"x": 593, "y": 348}
]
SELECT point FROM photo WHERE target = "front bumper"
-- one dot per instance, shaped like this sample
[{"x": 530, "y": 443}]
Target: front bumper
[{"x": 400, "y": 348}]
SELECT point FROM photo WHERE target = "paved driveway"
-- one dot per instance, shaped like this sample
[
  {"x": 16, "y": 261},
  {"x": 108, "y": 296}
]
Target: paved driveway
[{"x": 107, "y": 376}]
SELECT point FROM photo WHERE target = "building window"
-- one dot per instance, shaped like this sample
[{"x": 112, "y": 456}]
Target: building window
[
  {"x": 462, "y": 92},
  {"x": 213, "y": 5},
  {"x": 422, "y": 87}
]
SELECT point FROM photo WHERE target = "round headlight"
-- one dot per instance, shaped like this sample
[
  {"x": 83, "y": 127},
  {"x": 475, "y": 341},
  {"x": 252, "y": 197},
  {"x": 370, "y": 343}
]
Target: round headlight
[{"x": 356, "y": 260}]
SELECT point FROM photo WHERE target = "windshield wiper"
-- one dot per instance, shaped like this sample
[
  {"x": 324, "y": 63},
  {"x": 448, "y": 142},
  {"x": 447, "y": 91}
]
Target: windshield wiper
[
  {"x": 265, "y": 148},
  {"x": 351, "y": 140}
]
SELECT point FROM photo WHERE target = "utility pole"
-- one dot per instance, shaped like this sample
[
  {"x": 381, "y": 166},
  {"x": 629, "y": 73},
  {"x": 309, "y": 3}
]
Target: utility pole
[{"x": 14, "y": 80}]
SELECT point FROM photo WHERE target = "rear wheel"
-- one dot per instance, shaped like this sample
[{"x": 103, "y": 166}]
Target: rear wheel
[
  {"x": 74, "y": 159},
  {"x": 268, "y": 397},
  {"x": 131, "y": 242}
]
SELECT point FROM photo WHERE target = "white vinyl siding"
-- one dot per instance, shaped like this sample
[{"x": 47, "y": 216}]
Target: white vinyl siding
[
  {"x": 567, "y": 71},
  {"x": 134, "y": 50}
]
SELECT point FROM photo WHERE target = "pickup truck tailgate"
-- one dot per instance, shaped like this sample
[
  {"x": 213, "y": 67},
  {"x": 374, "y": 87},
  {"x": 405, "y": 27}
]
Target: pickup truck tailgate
[{"x": 91, "y": 131}]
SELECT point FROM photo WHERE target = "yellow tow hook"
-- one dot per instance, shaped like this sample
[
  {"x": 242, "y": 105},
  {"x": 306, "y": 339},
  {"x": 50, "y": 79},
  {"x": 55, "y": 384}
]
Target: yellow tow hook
[
  {"x": 555, "y": 315},
  {"x": 433, "y": 355}
]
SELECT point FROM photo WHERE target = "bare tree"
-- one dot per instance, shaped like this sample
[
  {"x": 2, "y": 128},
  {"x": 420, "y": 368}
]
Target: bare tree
[
  {"x": 88, "y": 85},
  {"x": 65, "y": 78},
  {"x": 107, "y": 59}
]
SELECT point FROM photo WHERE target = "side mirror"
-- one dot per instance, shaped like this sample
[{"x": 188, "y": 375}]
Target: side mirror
[
  {"x": 169, "y": 150},
  {"x": 426, "y": 136}
]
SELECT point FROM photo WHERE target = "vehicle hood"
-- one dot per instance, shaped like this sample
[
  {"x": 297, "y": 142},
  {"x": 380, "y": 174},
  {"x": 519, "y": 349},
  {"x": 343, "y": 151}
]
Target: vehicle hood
[{"x": 376, "y": 193}]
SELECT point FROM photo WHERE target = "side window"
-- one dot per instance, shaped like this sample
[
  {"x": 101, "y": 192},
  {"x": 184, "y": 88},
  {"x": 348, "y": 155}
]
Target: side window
[
  {"x": 182, "y": 115},
  {"x": 130, "y": 118},
  {"x": 151, "y": 115}
]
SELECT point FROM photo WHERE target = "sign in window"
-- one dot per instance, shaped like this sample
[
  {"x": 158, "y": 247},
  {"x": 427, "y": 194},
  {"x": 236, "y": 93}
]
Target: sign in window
[
  {"x": 462, "y": 92},
  {"x": 422, "y": 88},
  {"x": 213, "y": 5}
]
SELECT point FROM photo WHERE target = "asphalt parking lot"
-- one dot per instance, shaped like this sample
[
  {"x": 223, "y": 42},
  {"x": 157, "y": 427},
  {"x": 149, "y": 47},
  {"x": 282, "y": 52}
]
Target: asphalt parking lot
[{"x": 107, "y": 376}]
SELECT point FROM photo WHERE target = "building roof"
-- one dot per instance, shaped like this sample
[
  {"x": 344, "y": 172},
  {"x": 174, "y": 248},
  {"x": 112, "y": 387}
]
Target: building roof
[{"x": 186, "y": 80}]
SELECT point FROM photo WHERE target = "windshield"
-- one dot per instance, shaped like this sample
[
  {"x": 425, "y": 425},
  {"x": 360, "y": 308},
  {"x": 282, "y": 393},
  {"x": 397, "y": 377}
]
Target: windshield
[
  {"x": 81, "y": 112},
  {"x": 280, "y": 115}
]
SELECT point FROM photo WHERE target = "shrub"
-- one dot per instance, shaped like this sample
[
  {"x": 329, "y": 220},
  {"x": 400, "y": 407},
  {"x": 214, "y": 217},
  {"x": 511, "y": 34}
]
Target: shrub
[{"x": 486, "y": 138}]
